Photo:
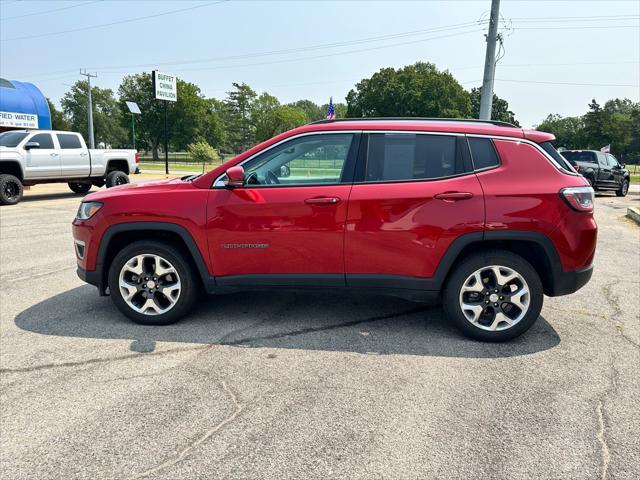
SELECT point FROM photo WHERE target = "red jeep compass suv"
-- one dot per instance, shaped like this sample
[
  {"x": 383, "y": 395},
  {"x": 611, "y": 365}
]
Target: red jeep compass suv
[{"x": 487, "y": 216}]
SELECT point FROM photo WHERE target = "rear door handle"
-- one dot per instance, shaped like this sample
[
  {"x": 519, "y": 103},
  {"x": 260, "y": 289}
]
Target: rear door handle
[
  {"x": 53, "y": 154},
  {"x": 322, "y": 201},
  {"x": 453, "y": 196}
]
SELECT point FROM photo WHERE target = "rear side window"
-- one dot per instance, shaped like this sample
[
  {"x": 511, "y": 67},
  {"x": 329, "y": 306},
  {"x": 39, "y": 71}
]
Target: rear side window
[
  {"x": 483, "y": 153},
  {"x": 68, "y": 141},
  {"x": 408, "y": 156},
  {"x": 44, "y": 139},
  {"x": 558, "y": 159}
]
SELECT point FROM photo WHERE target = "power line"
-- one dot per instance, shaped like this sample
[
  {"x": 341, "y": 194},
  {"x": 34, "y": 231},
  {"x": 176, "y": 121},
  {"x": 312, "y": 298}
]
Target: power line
[
  {"x": 571, "y": 83},
  {"x": 42, "y": 12},
  {"x": 129, "y": 20}
]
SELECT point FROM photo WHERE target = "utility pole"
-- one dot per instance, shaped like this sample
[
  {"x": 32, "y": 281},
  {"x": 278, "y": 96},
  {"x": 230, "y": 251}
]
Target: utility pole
[
  {"x": 486, "y": 98},
  {"x": 92, "y": 142}
]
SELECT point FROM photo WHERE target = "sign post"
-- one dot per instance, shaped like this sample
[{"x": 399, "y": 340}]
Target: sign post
[
  {"x": 133, "y": 110},
  {"x": 165, "y": 88}
]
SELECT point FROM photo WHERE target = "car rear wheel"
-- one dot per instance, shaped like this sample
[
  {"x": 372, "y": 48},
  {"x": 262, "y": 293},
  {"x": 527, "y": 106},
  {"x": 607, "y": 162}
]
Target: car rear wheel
[
  {"x": 152, "y": 283},
  {"x": 116, "y": 178},
  {"x": 10, "y": 190},
  {"x": 493, "y": 296},
  {"x": 624, "y": 188},
  {"x": 80, "y": 188}
]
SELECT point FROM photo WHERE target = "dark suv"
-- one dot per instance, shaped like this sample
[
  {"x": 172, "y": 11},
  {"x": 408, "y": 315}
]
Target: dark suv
[
  {"x": 484, "y": 216},
  {"x": 602, "y": 170}
]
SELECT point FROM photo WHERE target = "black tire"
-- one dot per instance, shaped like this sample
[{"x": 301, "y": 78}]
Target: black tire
[
  {"x": 116, "y": 178},
  {"x": 190, "y": 288},
  {"x": 80, "y": 188},
  {"x": 11, "y": 190},
  {"x": 624, "y": 188},
  {"x": 453, "y": 288}
]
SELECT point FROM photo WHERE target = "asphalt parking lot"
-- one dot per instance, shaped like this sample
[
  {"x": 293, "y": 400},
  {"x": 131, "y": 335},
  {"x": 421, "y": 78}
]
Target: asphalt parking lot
[{"x": 300, "y": 385}]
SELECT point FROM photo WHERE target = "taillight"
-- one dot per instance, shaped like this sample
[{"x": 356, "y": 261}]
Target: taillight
[
  {"x": 579, "y": 199},
  {"x": 137, "y": 157}
]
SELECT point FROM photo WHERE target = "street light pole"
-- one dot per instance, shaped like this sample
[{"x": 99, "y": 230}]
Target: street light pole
[
  {"x": 89, "y": 76},
  {"x": 486, "y": 98}
]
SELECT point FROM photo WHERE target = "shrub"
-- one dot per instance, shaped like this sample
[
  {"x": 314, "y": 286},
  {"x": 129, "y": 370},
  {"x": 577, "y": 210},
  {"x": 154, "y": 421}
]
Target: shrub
[{"x": 202, "y": 152}]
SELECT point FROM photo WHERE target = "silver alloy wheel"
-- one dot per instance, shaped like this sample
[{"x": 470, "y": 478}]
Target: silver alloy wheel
[
  {"x": 149, "y": 284},
  {"x": 494, "y": 298},
  {"x": 625, "y": 187}
]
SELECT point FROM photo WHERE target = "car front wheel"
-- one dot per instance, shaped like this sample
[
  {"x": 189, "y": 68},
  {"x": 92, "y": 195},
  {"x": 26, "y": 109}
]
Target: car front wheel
[
  {"x": 152, "y": 283},
  {"x": 493, "y": 296},
  {"x": 624, "y": 188}
]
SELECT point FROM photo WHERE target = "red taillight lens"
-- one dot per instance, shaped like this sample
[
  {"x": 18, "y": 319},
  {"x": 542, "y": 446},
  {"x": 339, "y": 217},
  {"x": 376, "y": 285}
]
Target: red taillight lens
[
  {"x": 137, "y": 157},
  {"x": 579, "y": 199}
]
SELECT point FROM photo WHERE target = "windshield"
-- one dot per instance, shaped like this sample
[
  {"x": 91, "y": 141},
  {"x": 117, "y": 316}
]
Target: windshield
[
  {"x": 11, "y": 139},
  {"x": 559, "y": 159}
]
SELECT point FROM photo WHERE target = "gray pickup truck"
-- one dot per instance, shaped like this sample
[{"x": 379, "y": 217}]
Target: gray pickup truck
[
  {"x": 602, "y": 170},
  {"x": 29, "y": 157}
]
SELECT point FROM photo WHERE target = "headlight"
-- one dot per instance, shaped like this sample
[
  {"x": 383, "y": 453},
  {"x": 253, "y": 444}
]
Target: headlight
[{"x": 88, "y": 210}]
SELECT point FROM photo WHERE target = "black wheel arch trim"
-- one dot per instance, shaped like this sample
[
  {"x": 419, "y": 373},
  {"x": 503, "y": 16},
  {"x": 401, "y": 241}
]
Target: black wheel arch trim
[{"x": 100, "y": 276}]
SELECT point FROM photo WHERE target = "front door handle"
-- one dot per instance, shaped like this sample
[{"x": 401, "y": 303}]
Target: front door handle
[
  {"x": 322, "y": 201},
  {"x": 453, "y": 196}
]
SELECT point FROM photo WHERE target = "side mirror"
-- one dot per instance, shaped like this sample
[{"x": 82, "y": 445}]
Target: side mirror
[
  {"x": 285, "y": 171},
  {"x": 235, "y": 177},
  {"x": 30, "y": 145},
  {"x": 623, "y": 165}
]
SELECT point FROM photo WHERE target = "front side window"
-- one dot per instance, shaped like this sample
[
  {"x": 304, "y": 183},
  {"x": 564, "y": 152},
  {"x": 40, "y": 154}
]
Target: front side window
[
  {"x": 408, "y": 156},
  {"x": 68, "y": 141},
  {"x": 44, "y": 139},
  {"x": 11, "y": 139},
  {"x": 308, "y": 160},
  {"x": 612, "y": 161},
  {"x": 602, "y": 159},
  {"x": 483, "y": 153}
]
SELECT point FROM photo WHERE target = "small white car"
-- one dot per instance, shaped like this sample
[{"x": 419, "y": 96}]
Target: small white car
[{"x": 29, "y": 157}]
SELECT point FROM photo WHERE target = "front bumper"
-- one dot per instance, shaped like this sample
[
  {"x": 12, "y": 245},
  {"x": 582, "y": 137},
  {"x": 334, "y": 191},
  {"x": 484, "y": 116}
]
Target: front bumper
[
  {"x": 565, "y": 283},
  {"x": 92, "y": 277}
]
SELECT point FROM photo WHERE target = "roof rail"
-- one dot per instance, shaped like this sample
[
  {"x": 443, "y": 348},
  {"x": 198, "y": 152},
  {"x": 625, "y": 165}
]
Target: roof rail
[{"x": 427, "y": 119}]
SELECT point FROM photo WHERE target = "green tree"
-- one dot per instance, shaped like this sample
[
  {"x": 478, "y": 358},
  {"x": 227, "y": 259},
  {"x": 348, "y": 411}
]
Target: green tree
[
  {"x": 214, "y": 131},
  {"x": 499, "y": 108},
  {"x": 313, "y": 111},
  {"x": 107, "y": 117},
  {"x": 262, "y": 117},
  {"x": 237, "y": 116},
  {"x": 186, "y": 118},
  {"x": 202, "y": 152},
  {"x": 418, "y": 90},
  {"x": 569, "y": 131},
  {"x": 58, "y": 120}
]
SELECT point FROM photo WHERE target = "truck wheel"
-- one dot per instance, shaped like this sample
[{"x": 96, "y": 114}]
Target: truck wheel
[
  {"x": 493, "y": 296},
  {"x": 152, "y": 283},
  {"x": 80, "y": 188},
  {"x": 10, "y": 190},
  {"x": 624, "y": 188},
  {"x": 116, "y": 178}
]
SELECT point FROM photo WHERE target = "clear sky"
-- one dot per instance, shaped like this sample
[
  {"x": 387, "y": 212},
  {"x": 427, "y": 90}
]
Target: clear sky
[{"x": 329, "y": 46}]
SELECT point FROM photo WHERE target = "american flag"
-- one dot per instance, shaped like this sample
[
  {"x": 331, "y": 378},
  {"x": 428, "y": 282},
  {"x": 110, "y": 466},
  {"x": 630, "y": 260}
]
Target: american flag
[
  {"x": 606, "y": 148},
  {"x": 331, "y": 114}
]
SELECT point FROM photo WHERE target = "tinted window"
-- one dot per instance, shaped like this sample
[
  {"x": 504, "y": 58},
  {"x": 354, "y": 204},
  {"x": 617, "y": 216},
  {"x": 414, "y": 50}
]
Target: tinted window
[
  {"x": 602, "y": 160},
  {"x": 11, "y": 139},
  {"x": 612, "y": 161},
  {"x": 558, "y": 159},
  {"x": 483, "y": 153},
  {"x": 588, "y": 157},
  {"x": 406, "y": 156},
  {"x": 312, "y": 159},
  {"x": 44, "y": 139},
  {"x": 68, "y": 141}
]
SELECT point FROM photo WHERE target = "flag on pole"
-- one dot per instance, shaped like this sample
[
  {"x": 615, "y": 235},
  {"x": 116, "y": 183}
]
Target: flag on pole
[
  {"x": 606, "y": 148},
  {"x": 331, "y": 113}
]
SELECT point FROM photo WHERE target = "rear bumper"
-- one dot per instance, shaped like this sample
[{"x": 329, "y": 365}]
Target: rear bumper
[{"x": 565, "y": 283}]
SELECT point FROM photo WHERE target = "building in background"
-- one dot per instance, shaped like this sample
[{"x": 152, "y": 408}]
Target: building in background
[{"x": 22, "y": 105}]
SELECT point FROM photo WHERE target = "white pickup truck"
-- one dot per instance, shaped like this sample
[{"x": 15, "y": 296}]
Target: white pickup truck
[{"x": 29, "y": 157}]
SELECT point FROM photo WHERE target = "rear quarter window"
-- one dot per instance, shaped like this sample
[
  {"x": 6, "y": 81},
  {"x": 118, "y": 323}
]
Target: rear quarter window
[{"x": 483, "y": 153}]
